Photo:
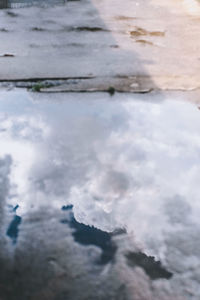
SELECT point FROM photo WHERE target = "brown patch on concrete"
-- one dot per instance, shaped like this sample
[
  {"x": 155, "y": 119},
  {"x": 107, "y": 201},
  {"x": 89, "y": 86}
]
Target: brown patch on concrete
[
  {"x": 143, "y": 32},
  {"x": 124, "y": 18},
  {"x": 144, "y": 42}
]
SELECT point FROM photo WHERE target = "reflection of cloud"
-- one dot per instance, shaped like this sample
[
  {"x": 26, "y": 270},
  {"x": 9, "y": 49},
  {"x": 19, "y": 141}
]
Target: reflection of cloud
[
  {"x": 119, "y": 163},
  {"x": 156, "y": 155},
  {"x": 5, "y": 164}
]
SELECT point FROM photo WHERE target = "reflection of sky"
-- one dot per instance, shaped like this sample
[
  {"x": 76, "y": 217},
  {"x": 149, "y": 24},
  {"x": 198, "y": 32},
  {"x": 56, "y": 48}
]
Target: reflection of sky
[{"x": 120, "y": 163}]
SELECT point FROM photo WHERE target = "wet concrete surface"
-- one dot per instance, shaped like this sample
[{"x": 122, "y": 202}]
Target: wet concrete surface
[{"x": 99, "y": 196}]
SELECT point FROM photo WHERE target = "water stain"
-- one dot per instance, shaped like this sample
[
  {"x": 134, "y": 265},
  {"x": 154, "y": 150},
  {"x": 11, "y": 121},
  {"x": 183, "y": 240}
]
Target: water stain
[{"x": 152, "y": 268}]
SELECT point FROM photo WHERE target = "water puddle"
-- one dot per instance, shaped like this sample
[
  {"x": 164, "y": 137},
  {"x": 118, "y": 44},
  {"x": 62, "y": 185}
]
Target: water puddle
[{"x": 117, "y": 162}]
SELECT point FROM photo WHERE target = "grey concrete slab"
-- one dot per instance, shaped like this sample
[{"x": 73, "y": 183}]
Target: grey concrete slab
[{"x": 102, "y": 39}]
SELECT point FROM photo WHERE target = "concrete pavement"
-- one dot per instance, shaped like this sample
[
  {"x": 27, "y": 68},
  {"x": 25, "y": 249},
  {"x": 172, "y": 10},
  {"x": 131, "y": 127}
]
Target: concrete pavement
[{"x": 137, "y": 46}]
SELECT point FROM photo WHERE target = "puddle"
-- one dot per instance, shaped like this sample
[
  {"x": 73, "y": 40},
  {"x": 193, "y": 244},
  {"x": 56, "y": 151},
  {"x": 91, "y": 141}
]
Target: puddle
[{"x": 121, "y": 161}]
